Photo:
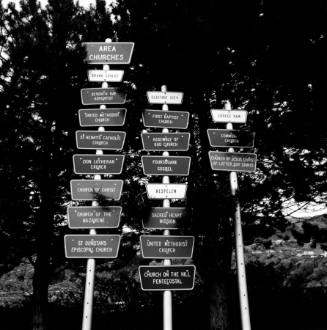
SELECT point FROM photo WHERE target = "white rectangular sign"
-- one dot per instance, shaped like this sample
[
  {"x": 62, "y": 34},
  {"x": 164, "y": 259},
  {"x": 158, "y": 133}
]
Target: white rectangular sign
[
  {"x": 166, "y": 190},
  {"x": 229, "y": 116},
  {"x": 165, "y": 97},
  {"x": 105, "y": 75}
]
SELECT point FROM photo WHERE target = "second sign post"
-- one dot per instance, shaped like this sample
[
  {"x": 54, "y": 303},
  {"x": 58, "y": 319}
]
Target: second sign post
[
  {"x": 234, "y": 162},
  {"x": 166, "y": 277}
]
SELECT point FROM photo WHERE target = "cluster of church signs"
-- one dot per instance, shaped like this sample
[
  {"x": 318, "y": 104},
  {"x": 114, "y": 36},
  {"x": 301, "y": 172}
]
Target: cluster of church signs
[{"x": 166, "y": 133}]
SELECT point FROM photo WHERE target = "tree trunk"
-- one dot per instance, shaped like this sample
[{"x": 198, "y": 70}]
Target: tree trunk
[
  {"x": 41, "y": 266},
  {"x": 211, "y": 222},
  {"x": 218, "y": 305},
  {"x": 215, "y": 269},
  {"x": 40, "y": 292}
]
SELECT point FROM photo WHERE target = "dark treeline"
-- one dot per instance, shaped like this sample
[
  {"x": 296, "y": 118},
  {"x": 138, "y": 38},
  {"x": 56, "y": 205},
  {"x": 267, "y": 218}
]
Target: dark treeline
[{"x": 263, "y": 56}]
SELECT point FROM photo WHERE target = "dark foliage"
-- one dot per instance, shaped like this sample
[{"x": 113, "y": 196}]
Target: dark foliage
[{"x": 259, "y": 55}]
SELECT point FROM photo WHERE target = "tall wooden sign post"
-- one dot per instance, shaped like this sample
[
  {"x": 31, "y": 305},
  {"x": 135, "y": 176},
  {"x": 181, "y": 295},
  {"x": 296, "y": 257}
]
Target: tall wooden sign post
[
  {"x": 94, "y": 246},
  {"x": 234, "y": 162},
  {"x": 167, "y": 277}
]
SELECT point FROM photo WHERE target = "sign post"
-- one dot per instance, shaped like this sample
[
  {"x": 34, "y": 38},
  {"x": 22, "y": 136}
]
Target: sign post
[
  {"x": 165, "y": 119},
  {"x": 167, "y": 295},
  {"x": 102, "y": 117},
  {"x": 167, "y": 277},
  {"x": 109, "y": 140},
  {"x": 80, "y": 217},
  {"x": 230, "y": 138},
  {"x": 160, "y": 165},
  {"x": 94, "y": 246},
  {"x": 104, "y": 95},
  {"x": 165, "y": 141},
  {"x": 109, "y": 52},
  {"x": 241, "y": 273}
]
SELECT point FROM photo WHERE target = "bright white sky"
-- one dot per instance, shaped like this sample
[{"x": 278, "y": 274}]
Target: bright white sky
[
  {"x": 303, "y": 209},
  {"x": 84, "y": 3}
]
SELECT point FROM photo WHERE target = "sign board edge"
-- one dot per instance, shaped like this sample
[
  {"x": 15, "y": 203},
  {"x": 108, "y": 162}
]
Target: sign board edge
[
  {"x": 188, "y": 289},
  {"x": 97, "y": 148},
  {"x": 113, "y": 206},
  {"x": 97, "y": 125},
  {"x": 93, "y": 257}
]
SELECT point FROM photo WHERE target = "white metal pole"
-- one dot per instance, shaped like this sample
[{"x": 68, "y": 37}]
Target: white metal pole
[
  {"x": 167, "y": 294},
  {"x": 90, "y": 266},
  {"x": 241, "y": 273},
  {"x": 89, "y": 289}
]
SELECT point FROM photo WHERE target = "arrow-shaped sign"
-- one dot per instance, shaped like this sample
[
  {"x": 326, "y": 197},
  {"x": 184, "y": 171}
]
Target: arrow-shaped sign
[
  {"x": 111, "y": 95},
  {"x": 108, "y": 140},
  {"x": 168, "y": 119},
  {"x": 109, "y": 52},
  {"x": 92, "y": 190},
  {"x": 102, "y": 117}
]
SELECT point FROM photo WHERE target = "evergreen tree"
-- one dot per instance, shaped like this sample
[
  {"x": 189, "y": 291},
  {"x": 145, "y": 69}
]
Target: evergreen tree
[
  {"x": 41, "y": 76},
  {"x": 259, "y": 56}
]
